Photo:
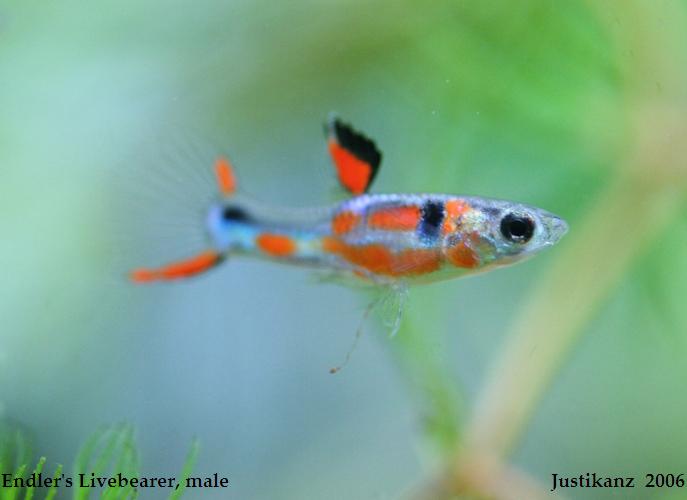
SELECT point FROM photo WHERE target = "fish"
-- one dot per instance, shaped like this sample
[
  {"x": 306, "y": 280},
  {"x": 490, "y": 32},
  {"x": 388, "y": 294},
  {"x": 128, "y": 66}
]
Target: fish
[{"x": 389, "y": 240}]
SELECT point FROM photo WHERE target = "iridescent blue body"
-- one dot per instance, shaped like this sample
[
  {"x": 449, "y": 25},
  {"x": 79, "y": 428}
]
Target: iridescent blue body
[
  {"x": 373, "y": 238},
  {"x": 384, "y": 238}
]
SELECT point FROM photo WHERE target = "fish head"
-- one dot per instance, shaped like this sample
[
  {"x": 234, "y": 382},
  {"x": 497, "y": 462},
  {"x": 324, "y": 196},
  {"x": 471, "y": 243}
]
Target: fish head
[{"x": 497, "y": 233}]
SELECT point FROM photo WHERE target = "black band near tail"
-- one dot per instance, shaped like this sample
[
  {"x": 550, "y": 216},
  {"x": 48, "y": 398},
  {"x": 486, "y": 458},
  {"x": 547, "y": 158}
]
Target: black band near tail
[{"x": 235, "y": 214}]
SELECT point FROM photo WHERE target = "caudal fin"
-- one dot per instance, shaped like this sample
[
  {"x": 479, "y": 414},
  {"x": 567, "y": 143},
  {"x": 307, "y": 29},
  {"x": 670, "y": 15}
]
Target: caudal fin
[
  {"x": 226, "y": 179},
  {"x": 178, "y": 270},
  {"x": 226, "y": 182}
]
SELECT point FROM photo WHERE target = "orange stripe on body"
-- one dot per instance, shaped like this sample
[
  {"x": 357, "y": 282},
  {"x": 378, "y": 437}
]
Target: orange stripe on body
[
  {"x": 395, "y": 218},
  {"x": 226, "y": 180},
  {"x": 454, "y": 209},
  {"x": 415, "y": 262},
  {"x": 353, "y": 173},
  {"x": 345, "y": 222},
  {"x": 461, "y": 255},
  {"x": 332, "y": 245},
  {"x": 375, "y": 258},
  {"x": 177, "y": 270},
  {"x": 378, "y": 259},
  {"x": 276, "y": 245}
]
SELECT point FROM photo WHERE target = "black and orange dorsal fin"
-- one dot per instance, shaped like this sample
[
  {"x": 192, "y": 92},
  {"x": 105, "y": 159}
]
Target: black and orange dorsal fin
[
  {"x": 355, "y": 156},
  {"x": 226, "y": 179},
  {"x": 178, "y": 270}
]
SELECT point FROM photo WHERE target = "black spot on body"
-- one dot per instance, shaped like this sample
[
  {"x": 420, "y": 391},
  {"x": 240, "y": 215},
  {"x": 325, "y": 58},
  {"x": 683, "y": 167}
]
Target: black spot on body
[
  {"x": 432, "y": 217},
  {"x": 234, "y": 214}
]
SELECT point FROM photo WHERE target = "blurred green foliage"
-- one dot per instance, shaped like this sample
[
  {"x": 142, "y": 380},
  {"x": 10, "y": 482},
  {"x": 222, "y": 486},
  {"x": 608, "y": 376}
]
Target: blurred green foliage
[
  {"x": 108, "y": 451},
  {"x": 568, "y": 363}
]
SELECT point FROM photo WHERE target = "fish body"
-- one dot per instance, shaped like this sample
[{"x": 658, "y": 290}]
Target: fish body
[{"x": 379, "y": 239}]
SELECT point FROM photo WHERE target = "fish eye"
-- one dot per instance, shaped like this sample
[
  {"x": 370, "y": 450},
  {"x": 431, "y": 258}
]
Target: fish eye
[{"x": 517, "y": 228}]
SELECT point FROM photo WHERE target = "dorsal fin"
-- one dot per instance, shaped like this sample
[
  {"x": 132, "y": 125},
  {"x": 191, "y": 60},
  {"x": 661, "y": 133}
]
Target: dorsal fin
[{"x": 355, "y": 157}]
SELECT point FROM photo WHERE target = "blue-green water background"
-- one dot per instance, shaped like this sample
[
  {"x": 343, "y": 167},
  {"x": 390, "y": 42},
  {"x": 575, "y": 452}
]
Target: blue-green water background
[{"x": 529, "y": 101}]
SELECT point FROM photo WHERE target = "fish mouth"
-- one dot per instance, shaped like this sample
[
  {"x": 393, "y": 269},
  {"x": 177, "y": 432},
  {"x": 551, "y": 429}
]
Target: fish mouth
[{"x": 556, "y": 229}]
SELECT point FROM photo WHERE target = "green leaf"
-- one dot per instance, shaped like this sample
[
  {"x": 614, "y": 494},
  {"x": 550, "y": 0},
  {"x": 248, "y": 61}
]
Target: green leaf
[
  {"x": 186, "y": 471},
  {"x": 37, "y": 470},
  {"x": 53, "y": 489}
]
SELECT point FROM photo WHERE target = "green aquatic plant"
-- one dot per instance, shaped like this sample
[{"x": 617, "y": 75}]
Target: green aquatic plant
[
  {"x": 109, "y": 451},
  {"x": 649, "y": 174}
]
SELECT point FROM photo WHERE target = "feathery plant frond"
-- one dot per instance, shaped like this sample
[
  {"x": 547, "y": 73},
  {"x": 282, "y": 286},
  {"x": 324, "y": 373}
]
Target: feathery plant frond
[
  {"x": 108, "y": 451},
  {"x": 111, "y": 449},
  {"x": 187, "y": 469}
]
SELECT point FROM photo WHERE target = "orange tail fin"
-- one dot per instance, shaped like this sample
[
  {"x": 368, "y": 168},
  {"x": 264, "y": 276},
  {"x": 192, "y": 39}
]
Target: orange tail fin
[
  {"x": 178, "y": 270},
  {"x": 226, "y": 180}
]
